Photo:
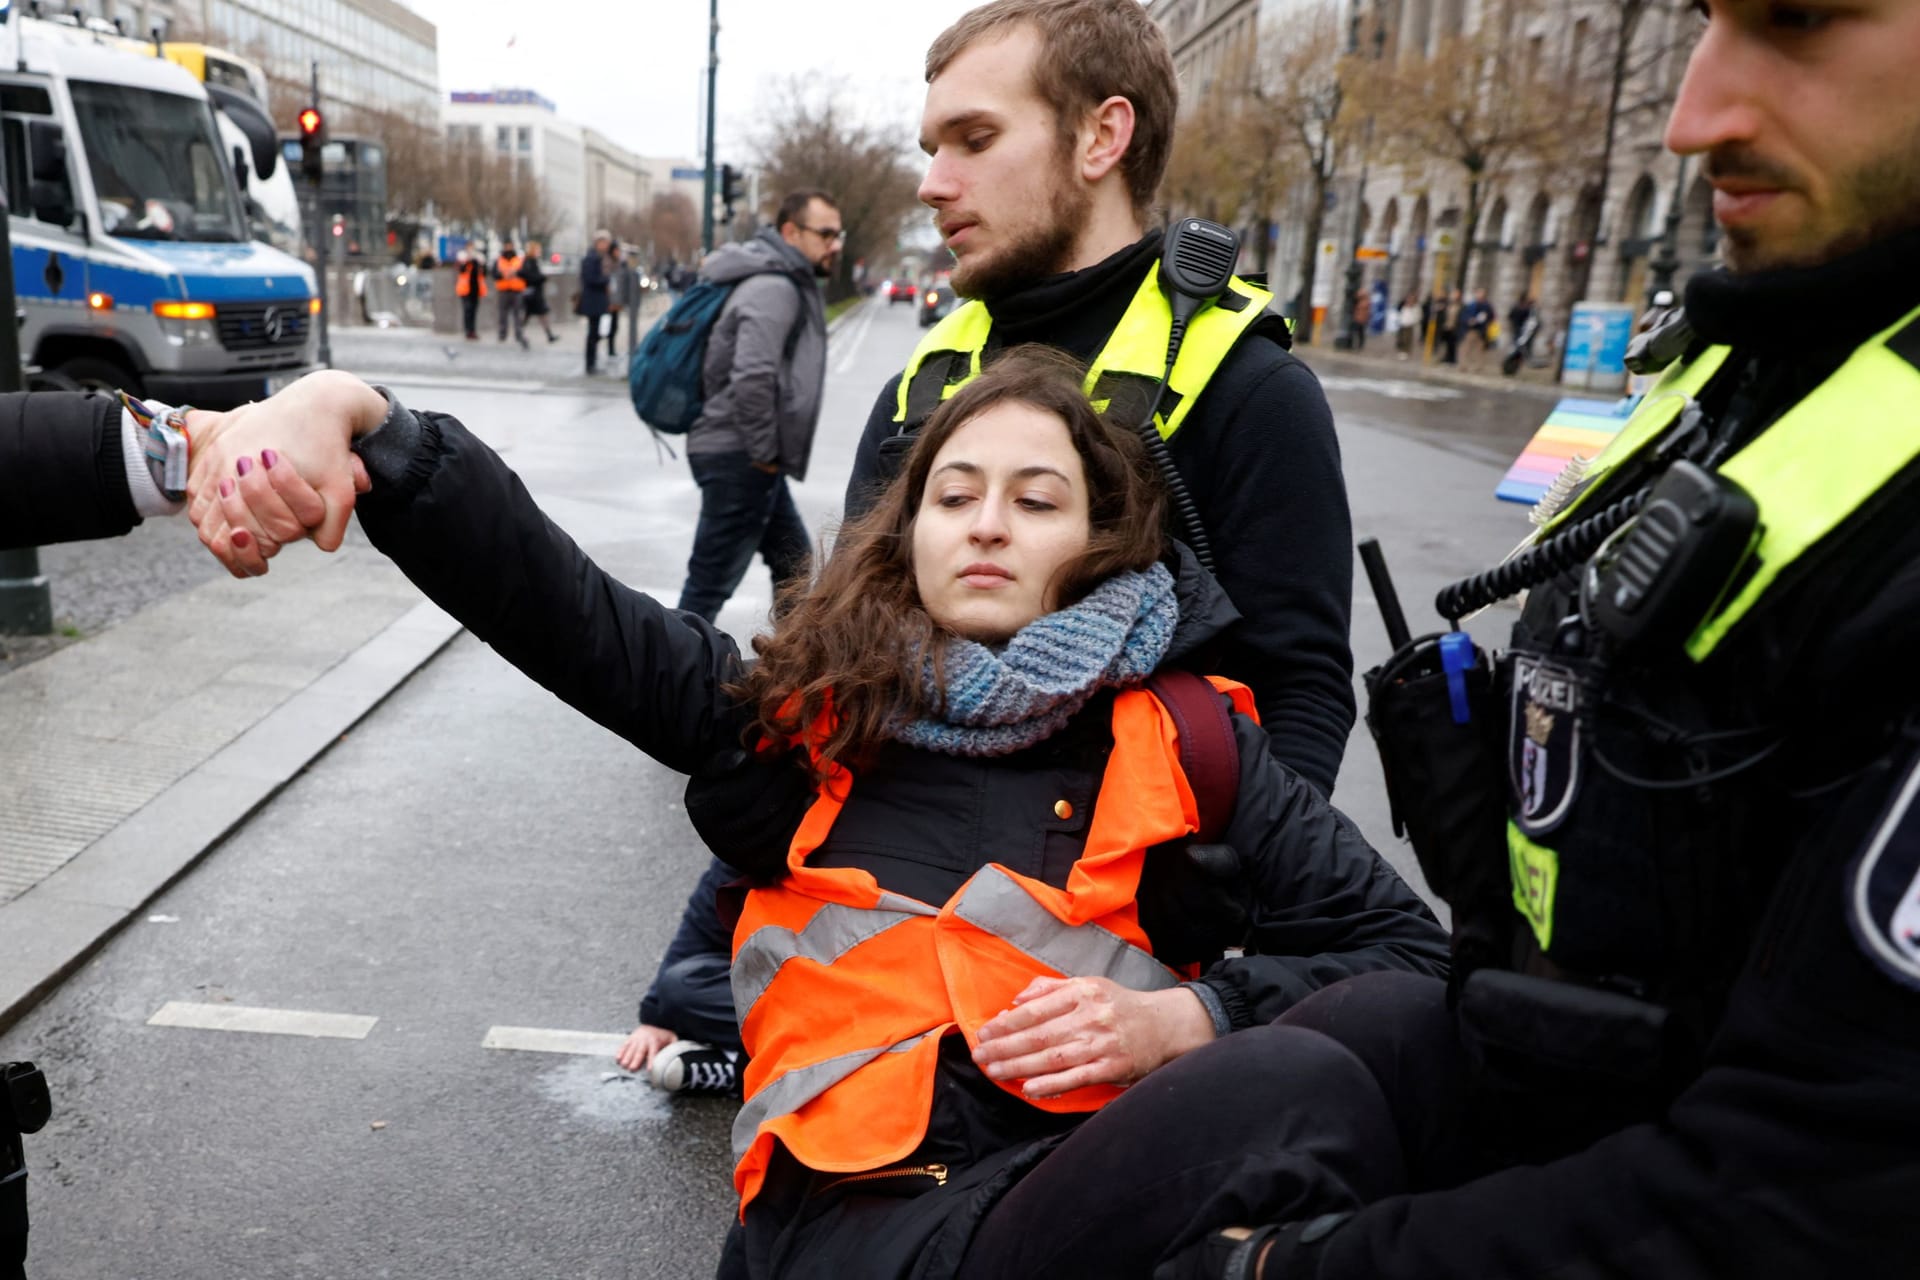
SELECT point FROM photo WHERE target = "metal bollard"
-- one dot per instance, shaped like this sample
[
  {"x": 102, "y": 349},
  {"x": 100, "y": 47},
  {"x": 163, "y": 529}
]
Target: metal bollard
[{"x": 26, "y": 603}]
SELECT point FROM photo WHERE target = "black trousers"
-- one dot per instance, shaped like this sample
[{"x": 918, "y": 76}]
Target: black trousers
[
  {"x": 1352, "y": 1096},
  {"x": 743, "y": 510}
]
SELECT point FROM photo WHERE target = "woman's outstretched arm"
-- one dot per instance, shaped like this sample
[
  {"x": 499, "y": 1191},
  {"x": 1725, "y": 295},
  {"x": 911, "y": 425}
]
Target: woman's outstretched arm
[{"x": 461, "y": 525}]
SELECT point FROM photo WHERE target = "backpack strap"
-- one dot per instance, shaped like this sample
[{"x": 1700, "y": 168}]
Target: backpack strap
[{"x": 1209, "y": 753}]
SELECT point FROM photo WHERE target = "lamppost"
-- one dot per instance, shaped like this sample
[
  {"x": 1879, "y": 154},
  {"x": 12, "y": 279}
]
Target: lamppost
[
  {"x": 713, "y": 73},
  {"x": 1661, "y": 270},
  {"x": 1351, "y": 337}
]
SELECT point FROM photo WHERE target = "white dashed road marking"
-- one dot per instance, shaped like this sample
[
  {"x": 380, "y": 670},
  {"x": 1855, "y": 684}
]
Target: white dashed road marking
[
  {"x": 540, "y": 1040},
  {"x": 271, "y": 1022}
]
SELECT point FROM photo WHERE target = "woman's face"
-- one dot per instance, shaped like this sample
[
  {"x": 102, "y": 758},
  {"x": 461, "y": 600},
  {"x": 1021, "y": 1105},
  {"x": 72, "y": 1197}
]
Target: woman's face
[{"x": 1004, "y": 510}]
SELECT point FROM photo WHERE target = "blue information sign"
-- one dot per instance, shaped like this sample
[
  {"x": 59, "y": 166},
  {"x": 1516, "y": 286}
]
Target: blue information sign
[
  {"x": 1597, "y": 338},
  {"x": 689, "y": 175}
]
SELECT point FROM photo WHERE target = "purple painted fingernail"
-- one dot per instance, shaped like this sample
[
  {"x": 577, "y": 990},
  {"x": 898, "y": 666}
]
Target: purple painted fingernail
[
  {"x": 268, "y": 457},
  {"x": 244, "y": 465},
  {"x": 226, "y": 488}
]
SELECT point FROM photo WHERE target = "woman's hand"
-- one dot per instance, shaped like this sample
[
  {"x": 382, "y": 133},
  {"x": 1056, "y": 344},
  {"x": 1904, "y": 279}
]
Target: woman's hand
[
  {"x": 309, "y": 428},
  {"x": 642, "y": 1045},
  {"x": 1063, "y": 1034}
]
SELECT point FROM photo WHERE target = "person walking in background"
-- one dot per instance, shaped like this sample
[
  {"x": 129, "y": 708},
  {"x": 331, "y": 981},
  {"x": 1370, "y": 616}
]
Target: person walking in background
[
  {"x": 1446, "y": 320},
  {"x": 512, "y": 289},
  {"x": 593, "y": 294},
  {"x": 535, "y": 275},
  {"x": 1412, "y": 328},
  {"x": 625, "y": 288},
  {"x": 1476, "y": 331},
  {"x": 469, "y": 285},
  {"x": 1362, "y": 317},
  {"x": 616, "y": 291},
  {"x": 765, "y": 368}
]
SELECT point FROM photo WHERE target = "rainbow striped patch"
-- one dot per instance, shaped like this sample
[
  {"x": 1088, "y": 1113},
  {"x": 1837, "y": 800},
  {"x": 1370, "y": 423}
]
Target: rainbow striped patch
[{"x": 1576, "y": 426}]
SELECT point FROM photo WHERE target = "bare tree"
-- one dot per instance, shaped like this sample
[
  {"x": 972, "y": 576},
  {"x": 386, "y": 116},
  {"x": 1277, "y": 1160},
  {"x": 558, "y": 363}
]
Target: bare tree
[
  {"x": 1631, "y": 54},
  {"x": 816, "y": 139},
  {"x": 673, "y": 227},
  {"x": 1481, "y": 102}
]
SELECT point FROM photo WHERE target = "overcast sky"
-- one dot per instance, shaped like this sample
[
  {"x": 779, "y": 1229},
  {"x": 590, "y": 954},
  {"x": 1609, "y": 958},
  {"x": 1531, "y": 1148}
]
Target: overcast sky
[{"x": 635, "y": 72}]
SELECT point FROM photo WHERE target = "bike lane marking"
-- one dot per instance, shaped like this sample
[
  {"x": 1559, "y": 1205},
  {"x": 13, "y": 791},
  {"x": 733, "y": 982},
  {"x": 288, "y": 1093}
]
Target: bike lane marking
[
  {"x": 273, "y": 1022},
  {"x": 542, "y": 1040}
]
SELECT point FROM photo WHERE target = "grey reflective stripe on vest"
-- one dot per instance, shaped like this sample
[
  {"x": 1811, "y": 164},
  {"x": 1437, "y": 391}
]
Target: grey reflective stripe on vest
[
  {"x": 997, "y": 904},
  {"x": 833, "y": 931},
  {"x": 802, "y": 1085}
]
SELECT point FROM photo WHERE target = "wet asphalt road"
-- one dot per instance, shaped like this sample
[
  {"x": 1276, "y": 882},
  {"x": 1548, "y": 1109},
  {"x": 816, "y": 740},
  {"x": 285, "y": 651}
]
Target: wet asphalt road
[{"x": 476, "y": 855}]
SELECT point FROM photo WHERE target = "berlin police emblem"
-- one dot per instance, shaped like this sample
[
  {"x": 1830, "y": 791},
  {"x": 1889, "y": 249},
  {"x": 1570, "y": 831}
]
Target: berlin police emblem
[
  {"x": 1543, "y": 751},
  {"x": 1883, "y": 896}
]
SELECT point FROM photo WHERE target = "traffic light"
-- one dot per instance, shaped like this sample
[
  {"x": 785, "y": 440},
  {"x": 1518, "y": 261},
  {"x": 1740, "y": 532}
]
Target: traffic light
[
  {"x": 731, "y": 187},
  {"x": 313, "y": 136}
]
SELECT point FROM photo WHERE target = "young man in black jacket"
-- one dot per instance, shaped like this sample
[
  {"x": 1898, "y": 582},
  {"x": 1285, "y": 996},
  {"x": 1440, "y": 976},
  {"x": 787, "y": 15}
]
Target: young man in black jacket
[{"x": 1047, "y": 125}]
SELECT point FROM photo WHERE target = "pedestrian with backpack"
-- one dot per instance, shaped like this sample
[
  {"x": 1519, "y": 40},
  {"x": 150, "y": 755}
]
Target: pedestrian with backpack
[{"x": 762, "y": 367}]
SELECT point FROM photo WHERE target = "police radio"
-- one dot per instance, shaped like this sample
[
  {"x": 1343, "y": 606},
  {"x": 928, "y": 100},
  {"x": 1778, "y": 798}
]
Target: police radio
[{"x": 1196, "y": 265}]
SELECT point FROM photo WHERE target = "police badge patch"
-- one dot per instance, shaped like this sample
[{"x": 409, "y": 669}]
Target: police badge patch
[
  {"x": 1884, "y": 896},
  {"x": 1543, "y": 743}
]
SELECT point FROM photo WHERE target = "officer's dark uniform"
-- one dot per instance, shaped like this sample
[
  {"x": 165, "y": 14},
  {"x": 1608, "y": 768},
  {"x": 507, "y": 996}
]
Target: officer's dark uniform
[{"x": 1684, "y": 1039}]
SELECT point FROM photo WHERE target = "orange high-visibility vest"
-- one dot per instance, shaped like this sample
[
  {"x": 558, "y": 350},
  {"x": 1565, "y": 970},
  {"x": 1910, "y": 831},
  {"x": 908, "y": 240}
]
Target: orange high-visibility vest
[
  {"x": 844, "y": 990},
  {"x": 510, "y": 281},
  {"x": 471, "y": 274}
]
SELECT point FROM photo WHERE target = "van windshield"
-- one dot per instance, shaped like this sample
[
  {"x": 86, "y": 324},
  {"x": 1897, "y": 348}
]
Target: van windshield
[{"x": 156, "y": 164}]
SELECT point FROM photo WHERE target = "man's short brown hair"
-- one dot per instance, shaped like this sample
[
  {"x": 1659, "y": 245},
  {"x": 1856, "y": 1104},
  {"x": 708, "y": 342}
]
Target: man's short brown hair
[
  {"x": 1090, "y": 50},
  {"x": 793, "y": 206}
]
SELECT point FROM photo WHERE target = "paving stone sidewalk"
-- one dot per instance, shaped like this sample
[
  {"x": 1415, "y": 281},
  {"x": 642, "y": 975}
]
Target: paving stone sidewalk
[{"x": 126, "y": 758}]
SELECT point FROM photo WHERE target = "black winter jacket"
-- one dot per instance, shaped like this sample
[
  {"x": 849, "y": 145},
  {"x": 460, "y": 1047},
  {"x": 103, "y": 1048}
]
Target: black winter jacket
[
  {"x": 1794, "y": 1150},
  {"x": 62, "y": 477},
  {"x": 1324, "y": 905},
  {"x": 1259, "y": 455}
]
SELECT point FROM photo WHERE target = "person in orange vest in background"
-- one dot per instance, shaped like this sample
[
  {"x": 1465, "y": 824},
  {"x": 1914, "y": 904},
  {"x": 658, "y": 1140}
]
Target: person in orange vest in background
[
  {"x": 469, "y": 285},
  {"x": 1030, "y": 831},
  {"x": 513, "y": 292}
]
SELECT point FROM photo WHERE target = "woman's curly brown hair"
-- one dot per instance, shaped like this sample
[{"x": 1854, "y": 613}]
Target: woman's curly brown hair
[{"x": 855, "y": 638}]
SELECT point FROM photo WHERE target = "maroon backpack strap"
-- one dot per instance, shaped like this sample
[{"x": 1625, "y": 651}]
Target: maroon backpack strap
[{"x": 1209, "y": 753}]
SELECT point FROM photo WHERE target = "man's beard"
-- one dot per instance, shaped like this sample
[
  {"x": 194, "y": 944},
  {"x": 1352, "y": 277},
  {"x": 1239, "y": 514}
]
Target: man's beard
[
  {"x": 1878, "y": 200},
  {"x": 1044, "y": 251}
]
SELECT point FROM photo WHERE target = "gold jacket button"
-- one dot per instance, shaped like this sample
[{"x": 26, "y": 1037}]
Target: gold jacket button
[{"x": 1062, "y": 810}]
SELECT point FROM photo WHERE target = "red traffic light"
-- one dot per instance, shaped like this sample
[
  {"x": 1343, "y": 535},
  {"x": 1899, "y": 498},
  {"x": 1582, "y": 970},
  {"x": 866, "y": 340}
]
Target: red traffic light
[{"x": 310, "y": 123}]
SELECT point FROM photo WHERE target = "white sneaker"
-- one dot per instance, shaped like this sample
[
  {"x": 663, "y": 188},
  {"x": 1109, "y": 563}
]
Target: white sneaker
[{"x": 687, "y": 1066}]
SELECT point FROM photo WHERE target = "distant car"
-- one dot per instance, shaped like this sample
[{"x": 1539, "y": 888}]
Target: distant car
[
  {"x": 936, "y": 300},
  {"x": 901, "y": 291}
]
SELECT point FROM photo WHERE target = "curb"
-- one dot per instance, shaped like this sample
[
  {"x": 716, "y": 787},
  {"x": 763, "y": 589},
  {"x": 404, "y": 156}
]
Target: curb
[
  {"x": 56, "y": 926},
  {"x": 1342, "y": 362}
]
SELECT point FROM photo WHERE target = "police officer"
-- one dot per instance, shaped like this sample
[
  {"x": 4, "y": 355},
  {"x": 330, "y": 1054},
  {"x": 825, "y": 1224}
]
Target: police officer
[
  {"x": 1683, "y": 1036},
  {"x": 1047, "y": 126}
]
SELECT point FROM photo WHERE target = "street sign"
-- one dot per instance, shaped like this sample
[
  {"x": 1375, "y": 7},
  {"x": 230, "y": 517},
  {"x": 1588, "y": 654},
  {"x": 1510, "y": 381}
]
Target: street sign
[
  {"x": 1324, "y": 271},
  {"x": 689, "y": 175}
]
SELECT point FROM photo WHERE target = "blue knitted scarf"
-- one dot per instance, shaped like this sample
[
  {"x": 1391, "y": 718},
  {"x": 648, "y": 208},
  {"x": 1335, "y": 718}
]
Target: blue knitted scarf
[{"x": 996, "y": 703}]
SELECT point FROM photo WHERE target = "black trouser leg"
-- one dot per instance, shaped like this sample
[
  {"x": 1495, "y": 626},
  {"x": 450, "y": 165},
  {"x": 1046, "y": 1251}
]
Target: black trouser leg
[{"x": 1270, "y": 1124}]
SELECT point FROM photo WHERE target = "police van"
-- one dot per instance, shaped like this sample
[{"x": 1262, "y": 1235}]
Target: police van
[{"x": 133, "y": 261}]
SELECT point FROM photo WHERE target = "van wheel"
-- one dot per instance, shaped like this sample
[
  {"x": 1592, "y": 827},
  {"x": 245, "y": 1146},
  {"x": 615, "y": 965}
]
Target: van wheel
[
  {"x": 48, "y": 380},
  {"x": 94, "y": 373}
]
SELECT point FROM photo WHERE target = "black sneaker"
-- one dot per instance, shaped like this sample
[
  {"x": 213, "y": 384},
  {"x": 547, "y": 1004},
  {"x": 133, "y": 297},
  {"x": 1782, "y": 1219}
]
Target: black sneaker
[{"x": 687, "y": 1066}]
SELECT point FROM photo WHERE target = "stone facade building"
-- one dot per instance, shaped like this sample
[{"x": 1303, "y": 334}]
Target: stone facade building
[{"x": 1410, "y": 219}]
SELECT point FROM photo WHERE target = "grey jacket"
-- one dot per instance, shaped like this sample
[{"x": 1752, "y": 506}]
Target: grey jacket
[{"x": 757, "y": 400}]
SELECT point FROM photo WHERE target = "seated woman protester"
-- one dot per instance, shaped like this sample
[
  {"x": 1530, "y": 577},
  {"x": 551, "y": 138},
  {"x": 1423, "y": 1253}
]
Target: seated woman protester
[{"x": 947, "y": 993}]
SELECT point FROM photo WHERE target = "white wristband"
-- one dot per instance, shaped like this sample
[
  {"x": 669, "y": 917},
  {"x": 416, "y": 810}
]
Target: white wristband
[{"x": 147, "y": 498}]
